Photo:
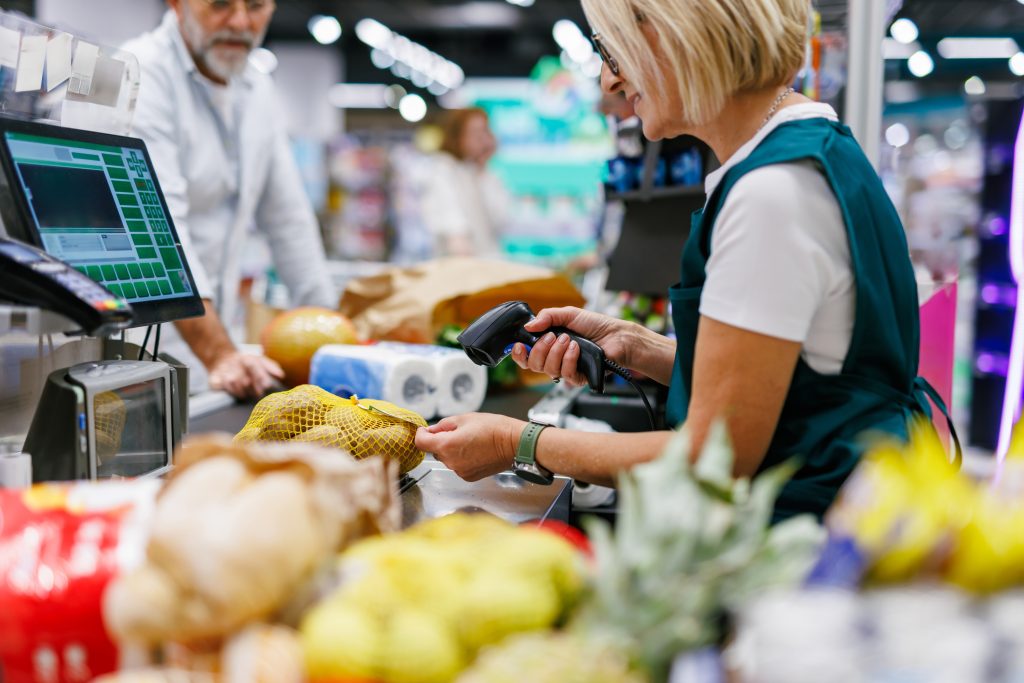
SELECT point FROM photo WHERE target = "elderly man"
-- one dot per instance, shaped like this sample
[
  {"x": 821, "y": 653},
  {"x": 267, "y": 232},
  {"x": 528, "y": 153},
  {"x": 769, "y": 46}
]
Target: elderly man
[{"x": 223, "y": 160}]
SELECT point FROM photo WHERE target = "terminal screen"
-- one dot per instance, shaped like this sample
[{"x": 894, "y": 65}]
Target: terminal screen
[{"x": 96, "y": 208}]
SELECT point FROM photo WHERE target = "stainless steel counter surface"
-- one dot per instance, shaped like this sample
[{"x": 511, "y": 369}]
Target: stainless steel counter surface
[{"x": 432, "y": 490}]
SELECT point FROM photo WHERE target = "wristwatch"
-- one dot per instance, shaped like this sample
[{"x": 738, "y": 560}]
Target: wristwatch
[{"x": 525, "y": 465}]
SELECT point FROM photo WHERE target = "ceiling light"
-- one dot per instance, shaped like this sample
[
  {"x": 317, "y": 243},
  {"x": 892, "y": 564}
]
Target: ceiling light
[
  {"x": 893, "y": 49},
  {"x": 436, "y": 89},
  {"x": 263, "y": 60},
  {"x": 904, "y": 31},
  {"x": 974, "y": 86},
  {"x": 381, "y": 59},
  {"x": 393, "y": 95},
  {"x": 325, "y": 29},
  {"x": 412, "y": 108},
  {"x": 374, "y": 33},
  {"x": 897, "y": 135},
  {"x": 358, "y": 96},
  {"x": 1017, "y": 63},
  {"x": 978, "y": 48},
  {"x": 571, "y": 39},
  {"x": 921, "y": 64},
  {"x": 529, "y": 3},
  {"x": 406, "y": 58}
]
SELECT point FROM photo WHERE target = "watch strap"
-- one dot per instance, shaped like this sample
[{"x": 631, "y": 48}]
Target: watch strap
[{"x": 526, "y": 453}]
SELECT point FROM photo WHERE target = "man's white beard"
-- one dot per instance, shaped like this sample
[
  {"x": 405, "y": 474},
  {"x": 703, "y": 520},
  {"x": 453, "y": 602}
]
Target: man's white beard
[{"x": 224, "y": 64}]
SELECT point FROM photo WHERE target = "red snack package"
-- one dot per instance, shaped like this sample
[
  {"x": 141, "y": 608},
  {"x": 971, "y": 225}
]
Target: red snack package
[{"x": 60, "y": 545}]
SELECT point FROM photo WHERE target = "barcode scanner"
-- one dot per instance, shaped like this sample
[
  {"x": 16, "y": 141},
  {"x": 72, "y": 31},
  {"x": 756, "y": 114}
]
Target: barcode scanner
[{"x": 491, "y": 337}]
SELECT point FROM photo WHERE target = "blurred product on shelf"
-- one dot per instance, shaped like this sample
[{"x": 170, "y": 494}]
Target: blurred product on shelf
[
  {"x": 465, "y": 205},
  {"x": 357, "y": 220}
]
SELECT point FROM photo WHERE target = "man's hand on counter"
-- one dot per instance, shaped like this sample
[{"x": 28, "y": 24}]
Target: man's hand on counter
[
  {"x": 474, "y": 446},
  {"x": 244, "y": 375}
]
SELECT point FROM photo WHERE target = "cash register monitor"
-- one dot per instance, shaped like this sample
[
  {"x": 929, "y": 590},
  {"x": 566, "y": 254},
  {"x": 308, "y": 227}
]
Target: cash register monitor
[{"x": 93, "y": 201}]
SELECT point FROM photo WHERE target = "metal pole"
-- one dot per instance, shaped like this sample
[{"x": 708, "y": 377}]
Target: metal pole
[{"x": 866, "y": 72}]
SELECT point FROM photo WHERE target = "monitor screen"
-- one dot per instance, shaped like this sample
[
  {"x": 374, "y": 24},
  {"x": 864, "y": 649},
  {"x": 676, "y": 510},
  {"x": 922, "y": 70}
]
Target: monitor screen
[{"x": 93, "y": 201}]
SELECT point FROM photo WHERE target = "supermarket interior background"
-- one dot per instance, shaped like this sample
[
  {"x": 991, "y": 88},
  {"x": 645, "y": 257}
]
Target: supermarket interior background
[
  {"x": 364, "y": 126},
  {"x": 581, "y": 210}
]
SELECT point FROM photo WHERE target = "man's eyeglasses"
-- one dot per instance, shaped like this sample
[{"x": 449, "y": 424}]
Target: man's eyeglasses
[
  {"x": 252, "y": 6},
  {"x": 606, "y": 56}
]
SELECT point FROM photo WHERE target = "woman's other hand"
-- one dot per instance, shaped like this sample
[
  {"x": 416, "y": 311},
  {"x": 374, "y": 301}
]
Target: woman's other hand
[{"x": 473, "y": 446}]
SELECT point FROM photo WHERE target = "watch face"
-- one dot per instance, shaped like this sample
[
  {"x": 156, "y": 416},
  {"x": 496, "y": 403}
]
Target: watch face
[{"x": 533, "y": 473}]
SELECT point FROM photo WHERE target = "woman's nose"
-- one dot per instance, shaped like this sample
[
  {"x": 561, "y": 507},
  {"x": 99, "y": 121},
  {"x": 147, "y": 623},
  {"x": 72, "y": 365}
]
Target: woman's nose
[{"x": 610, "y": 83}]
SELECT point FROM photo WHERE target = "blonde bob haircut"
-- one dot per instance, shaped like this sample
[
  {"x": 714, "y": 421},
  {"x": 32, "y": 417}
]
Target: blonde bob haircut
[{"x": 714, "y": 48}]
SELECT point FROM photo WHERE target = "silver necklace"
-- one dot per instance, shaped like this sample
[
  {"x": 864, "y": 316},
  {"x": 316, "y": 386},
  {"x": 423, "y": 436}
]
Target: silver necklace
[{"x": 775, "y": 106}]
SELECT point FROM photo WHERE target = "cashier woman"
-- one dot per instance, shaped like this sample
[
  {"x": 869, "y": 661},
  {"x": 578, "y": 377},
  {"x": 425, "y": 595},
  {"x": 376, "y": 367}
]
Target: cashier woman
[
  {"x": 222, "y": 155},
  {"x": 796, "y": 313}
]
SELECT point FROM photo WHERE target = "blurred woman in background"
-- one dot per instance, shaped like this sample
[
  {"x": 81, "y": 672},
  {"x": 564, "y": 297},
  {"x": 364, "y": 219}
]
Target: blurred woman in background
[{"x": 466, "y": 206}]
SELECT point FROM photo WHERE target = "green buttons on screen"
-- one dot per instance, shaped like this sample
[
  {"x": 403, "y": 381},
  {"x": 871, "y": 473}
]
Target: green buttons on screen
[
  {"x": 170, "y": 258},
  {"x": 108, "y": 273},
  {"x": 121, "y": 270},
  {"x": 177, "y": 282},
  {"x": 130, "y": 213},
  {"x": 129, "y": 290},
  {"x": 134, "y": 271},
  {"x": 94, "y": 272},
  {"x": 147, "y": 269},
  {"x": 147, "y": 252},
  {"x": 158, "y": 270},
  {"x": 165, "y": 287}
]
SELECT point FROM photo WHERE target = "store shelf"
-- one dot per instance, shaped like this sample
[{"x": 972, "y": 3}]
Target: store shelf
[{"x": 657, "y": 193}]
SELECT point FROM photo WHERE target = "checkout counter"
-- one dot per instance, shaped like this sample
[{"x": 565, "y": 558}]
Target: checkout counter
[
  {"x": 84, "y": 209},
  {"x": 431, "y": 490}
]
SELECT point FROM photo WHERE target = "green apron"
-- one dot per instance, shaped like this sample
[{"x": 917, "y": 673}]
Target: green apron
[{"x": 825, "y": 417}]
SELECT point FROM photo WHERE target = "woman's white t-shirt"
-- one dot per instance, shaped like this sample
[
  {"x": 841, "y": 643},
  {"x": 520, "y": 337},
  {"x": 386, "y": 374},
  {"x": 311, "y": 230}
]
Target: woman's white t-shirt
[{"x": 780, "y": 257}]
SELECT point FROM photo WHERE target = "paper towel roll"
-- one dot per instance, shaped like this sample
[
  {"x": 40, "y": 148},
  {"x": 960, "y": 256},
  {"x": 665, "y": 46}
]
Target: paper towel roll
[
  {"x": 461, "y": 383},
  {"x": 369, "y": 372}
]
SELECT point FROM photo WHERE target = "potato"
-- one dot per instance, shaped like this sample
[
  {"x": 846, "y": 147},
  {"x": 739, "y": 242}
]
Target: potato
[
  {"x": 325, "y": 435},
  {"x": 350, "y": 426},
  {"x": 298, "y": 414}
]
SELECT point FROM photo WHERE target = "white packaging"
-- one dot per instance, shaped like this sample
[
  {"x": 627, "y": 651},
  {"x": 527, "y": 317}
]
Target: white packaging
[
  {"x": 15, "y": 471},
  {"x": 461, "y": 383},
  {"x": 369, "y": 372}
]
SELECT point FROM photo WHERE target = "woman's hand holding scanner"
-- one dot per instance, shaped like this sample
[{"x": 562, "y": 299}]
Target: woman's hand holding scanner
[
  {"x": 496, "y": 334},
  {"x": 624, "y": 343}
]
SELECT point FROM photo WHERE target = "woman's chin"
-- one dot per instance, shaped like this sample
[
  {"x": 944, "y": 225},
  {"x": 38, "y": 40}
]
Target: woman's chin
[{"x": 653, "y": 130}]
